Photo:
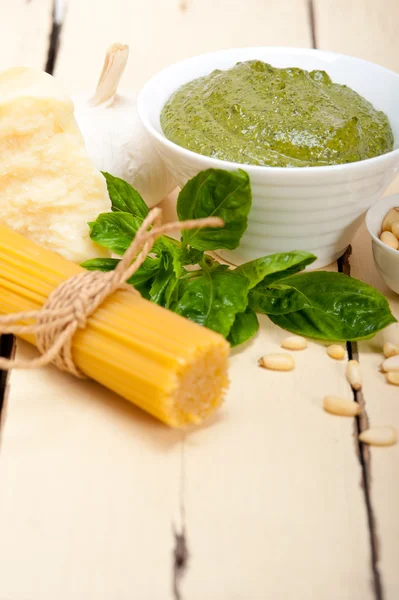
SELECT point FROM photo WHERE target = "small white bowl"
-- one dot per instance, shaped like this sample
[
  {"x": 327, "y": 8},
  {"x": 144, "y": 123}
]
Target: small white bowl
[
  {"x": 317, "y": 209},
  {"x": 386, "y": 259}
]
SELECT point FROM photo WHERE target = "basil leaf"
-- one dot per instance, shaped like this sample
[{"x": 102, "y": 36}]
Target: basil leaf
[
  {"x": 117, "y": 230},
  {"x": 321, "y": 305},
  {"x": 339, "y": 308},
  {"x": 216, "y": 193},
  {"x": 157, "y": 291},
  {"x": 100, "y": 264},
  {"x": 114, "y": 231},
  {"x": 214, "y": 299},
  {"x": 145, "y": 273},
  {"x": 275, "y": 266},
  {"x": 171, "y": 253},
  {"x": 142, "y": 280},
  {"x": 124, "y": 198},
  {"x": 245, "y": 326},
  {"x": 172, "y": 292},
  {"x": 191, "y": 256},
  {"x": 278, "y": 299}
]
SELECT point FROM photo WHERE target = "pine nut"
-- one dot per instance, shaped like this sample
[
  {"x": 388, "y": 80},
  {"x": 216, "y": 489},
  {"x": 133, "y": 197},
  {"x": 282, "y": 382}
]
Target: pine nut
[
  {"x": 395, "y": 229},
  {"x": 353, "y": 374},
  {"x": 393, "y": 377},
  {"x": 390, "y": 218},
  {"x": 336, "y": 351},
  {"x": 388, "y": 238},
  {"x": 294, "y": 342},
  {"x": 341, "y": 406},
  {"x": 277, "y": 362},
  {"x": 379, "y": 436},
  {"x": 391, "y": 364},
  {"x": 390, "y": 349}
]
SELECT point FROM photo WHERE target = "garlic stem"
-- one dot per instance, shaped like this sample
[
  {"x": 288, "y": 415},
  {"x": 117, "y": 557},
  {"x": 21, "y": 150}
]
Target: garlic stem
[{"x": 113, "y": 68}]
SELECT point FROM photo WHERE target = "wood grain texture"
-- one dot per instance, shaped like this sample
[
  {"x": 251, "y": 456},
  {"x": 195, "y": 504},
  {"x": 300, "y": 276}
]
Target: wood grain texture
[
  {"x": 161, "y": 32},
  {"x": 364, "y": 28}
]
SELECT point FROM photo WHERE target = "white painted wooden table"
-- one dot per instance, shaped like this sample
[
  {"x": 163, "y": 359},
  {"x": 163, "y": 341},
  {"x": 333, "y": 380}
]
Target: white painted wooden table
[{"x": 272, "y": 499}]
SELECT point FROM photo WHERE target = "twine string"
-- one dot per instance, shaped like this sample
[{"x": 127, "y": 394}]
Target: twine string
[{"x": 72, "y": 303}]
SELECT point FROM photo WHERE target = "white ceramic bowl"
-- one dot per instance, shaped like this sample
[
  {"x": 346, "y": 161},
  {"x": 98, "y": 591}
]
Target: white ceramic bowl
[
  {"x": 386, "y": 259},
  {"x": 317, "y": 209}
]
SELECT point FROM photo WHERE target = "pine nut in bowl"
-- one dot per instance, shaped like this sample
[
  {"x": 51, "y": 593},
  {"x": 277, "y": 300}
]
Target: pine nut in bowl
[
  {"x": 386, "y": 257},
  {"x": 313, "y": 208}
]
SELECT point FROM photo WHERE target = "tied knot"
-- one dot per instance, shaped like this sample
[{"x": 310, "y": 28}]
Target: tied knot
[
  {"x": 66, "y": 310},
  {"x": 72, "y": 303}
]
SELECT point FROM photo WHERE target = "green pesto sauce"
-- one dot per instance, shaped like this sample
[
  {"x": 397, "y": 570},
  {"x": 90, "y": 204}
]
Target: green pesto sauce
[{"x": 256, "y": 114}]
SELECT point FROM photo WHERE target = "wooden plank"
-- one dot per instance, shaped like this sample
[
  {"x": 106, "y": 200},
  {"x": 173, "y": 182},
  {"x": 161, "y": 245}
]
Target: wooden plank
[
  {"x": 160, "y": 32},
  {"x": 24, "y": 32},
  {"x": 89, "y": 493},
  {"x": 274, "y": 505},
  {"x": 367, "y": 29},
  {"x": 363, "y": 28},
  {"x": 382, "y": 409}
]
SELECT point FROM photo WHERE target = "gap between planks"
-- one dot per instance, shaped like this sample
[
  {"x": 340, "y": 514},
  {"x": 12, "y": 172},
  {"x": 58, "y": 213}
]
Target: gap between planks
[
  {"x": 6, "y": 350},
  {"x": 361, "y": 422},
  {"x": 59, "y": 7},
  {"x": 312, "y": 23},
  {"x": 181, "y": 554},
  {"x": 363, "y": 452}
]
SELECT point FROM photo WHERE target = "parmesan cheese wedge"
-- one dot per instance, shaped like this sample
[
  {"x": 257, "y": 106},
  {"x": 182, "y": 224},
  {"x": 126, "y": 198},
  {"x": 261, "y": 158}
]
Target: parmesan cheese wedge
[{"x": 49, "y": 188}]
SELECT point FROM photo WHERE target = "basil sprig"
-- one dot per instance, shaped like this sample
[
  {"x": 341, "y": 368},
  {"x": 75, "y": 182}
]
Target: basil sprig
[{"x": 320, "y": 304}]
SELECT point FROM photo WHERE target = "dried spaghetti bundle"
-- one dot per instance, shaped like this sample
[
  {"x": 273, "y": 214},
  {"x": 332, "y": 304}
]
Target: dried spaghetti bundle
[{"x": 170, "y": 367}]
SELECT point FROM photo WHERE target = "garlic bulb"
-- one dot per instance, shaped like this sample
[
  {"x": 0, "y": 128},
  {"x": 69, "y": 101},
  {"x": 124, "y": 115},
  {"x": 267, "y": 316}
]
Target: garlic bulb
[{"x": 115, "y": 138}]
